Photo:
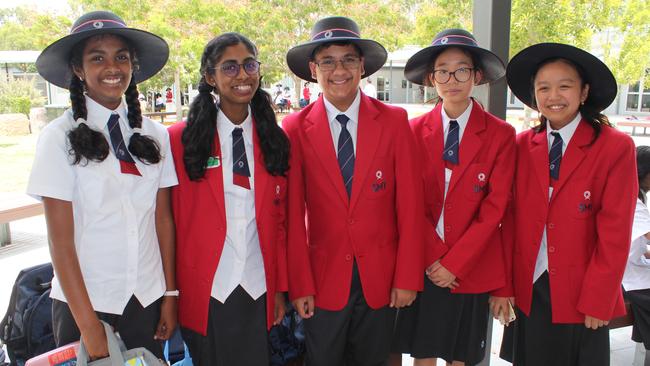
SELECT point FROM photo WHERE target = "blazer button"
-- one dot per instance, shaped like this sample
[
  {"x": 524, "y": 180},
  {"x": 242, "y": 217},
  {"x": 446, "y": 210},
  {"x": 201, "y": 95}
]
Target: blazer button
[
  {"x": 551, "y": 249},
  {"x": 348, "y": 257},
  {"x": 447, "y": 228},
  {"x": 351, "y": 221},
  {"x": 448, "y": 207},
  {"x": 551, "y": 225},
  {"x": 552, "y": 271}
]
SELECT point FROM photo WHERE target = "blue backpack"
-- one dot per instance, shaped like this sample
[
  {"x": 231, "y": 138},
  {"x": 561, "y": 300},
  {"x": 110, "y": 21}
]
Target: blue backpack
[
  {"x": 26, "y": 328},
  {"x": 287, "y": 339}
]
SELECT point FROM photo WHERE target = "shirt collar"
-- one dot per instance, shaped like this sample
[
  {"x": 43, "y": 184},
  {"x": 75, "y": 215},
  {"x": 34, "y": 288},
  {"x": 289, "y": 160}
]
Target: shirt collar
[
  {"x": 98, "y": 115},
  {"x": 566, "y": 132},
  {"x": 462, "y": 119},
  {"x": 352, "y": 112},
  {"x": 225, "y": 127}
]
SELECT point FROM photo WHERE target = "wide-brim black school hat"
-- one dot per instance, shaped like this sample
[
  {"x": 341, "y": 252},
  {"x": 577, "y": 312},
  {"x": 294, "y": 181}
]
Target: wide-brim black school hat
[
  {"x": 418, "y": 66},
  {"x": 335, "y": 29},
  {"x": 522, "y": 67},
  {"x": 54, "y": 62}
]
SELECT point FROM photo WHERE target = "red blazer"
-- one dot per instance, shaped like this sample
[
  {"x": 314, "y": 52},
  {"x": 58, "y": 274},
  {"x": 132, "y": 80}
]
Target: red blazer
[
  {"x": 588, "y": 222},
  {"x": 477, "y": 197},
  {"x": 200, "y": 216},
  {"x": 381, "y": 225}
]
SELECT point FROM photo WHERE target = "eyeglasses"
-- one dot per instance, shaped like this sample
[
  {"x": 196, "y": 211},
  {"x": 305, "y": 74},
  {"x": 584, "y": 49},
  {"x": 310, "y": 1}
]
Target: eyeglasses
[
  {"x": 461, "y": 75},
  {"x": 349, "y": 63},
  {"x": 231, "y": 68}
]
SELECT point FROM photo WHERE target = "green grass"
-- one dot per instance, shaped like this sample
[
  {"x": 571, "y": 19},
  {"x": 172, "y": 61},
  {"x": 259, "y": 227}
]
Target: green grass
[{"x": 16, "y": 158}]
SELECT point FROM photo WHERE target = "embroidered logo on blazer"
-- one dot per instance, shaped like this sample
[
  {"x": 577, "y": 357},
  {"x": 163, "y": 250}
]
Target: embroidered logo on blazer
[
  {"x": 481, "y": 182},
  {"x": 585, "y": 204},
  {"x": 379, "y": 184}
]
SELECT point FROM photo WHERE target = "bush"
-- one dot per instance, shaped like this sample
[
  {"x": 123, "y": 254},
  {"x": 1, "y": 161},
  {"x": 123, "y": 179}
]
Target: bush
[{"x": 19, "y": 96}]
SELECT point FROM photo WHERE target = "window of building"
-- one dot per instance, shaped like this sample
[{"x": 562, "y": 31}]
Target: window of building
[
  {"x": 638, "y": 95},
  {"x": 404, "y": 84}
]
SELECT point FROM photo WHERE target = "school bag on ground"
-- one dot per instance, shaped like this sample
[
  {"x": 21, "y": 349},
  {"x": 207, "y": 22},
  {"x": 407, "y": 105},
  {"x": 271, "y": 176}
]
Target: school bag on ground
[
  {"x": 26, "y": 328},
  {"x": 287, "y": 339}
]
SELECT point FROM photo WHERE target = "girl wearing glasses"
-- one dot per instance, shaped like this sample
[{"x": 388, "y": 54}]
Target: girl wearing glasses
[
  {"x": 229, "y": 209},
  {"x": 467, "y": 163}
]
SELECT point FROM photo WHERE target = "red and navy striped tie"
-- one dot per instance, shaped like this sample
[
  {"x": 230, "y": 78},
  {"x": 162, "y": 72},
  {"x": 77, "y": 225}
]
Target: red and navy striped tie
[
  {"x": 346, "y": 153},
  {"x": 240, "y": 171},
  {"x": 127, "y": 164}
]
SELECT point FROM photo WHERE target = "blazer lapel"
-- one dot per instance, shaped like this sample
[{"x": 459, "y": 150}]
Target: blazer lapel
[
  {"x": 318, "y": 133},
  {"x": 470, "y": 144},
  {"x": 368, "y": 135},
  {"x": 215, "y": 178},
  {"x": 573, "y": 155},
  {"x": 434, "y": 145},
  {"x": 261, "y": 175},
  {"x": 539, "y": 158}
]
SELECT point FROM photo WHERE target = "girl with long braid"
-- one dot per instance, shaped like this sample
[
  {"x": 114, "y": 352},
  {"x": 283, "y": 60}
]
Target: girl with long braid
[
  {"x": 229, "y": 207},
  {"x": 103, "y": 173}
]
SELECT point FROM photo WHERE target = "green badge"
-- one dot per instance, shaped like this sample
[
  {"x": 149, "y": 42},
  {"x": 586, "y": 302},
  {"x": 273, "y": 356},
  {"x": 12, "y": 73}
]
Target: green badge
[{"x": 213, "y": 162}]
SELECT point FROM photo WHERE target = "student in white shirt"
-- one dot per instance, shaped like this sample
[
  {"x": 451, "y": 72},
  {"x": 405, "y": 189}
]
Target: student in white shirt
[
  {"x": 229, "y": 209},
  {"x": 103, "y": 173},
  {"x": 636, "y": 280}
]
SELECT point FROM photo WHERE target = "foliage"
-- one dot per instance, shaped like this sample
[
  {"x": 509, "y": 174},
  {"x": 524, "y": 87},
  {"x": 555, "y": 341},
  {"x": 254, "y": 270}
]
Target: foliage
[{"x": 19, "y": 96}]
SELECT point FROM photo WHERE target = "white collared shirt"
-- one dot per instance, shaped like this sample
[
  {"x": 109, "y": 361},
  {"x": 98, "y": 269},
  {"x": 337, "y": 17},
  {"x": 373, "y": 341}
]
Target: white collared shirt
[
  {"x": 114, "y": 213},
  {"x": 637, "y": 270},
  {"x": 462, "y": 120},
  {"x": 353, "y": 124},
  {"x": 241, "y": 261},
  {"x": 566, "y": 132}
]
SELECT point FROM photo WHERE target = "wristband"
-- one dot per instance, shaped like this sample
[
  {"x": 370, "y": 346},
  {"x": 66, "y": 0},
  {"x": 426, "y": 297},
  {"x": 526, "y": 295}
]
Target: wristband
[{"x": 172, "y": 293}]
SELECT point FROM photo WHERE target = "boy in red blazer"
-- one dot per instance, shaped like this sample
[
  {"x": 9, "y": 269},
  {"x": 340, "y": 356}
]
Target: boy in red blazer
[{"x": 355, "y": 207}]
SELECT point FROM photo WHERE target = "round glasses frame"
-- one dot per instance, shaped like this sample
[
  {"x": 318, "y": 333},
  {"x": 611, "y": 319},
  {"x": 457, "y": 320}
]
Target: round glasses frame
[
  {"x": 349, "y": 63},
  {"x": 231, "y": 68},
  {"x": 461, "y": 75}
]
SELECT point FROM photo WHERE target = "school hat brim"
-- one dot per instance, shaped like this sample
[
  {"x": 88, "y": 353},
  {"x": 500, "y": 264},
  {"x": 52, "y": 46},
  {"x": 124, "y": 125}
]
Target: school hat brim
[
  {"x": 522, "y": 67},
  {"x": 152, "y": 52},
  {"x": 418, "y": 66},
  {"x": 331, "y": 30}
]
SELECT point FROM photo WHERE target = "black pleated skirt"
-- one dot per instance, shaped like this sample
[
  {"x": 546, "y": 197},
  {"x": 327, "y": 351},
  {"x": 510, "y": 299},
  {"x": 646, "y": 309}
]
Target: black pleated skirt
[
  {"x": 535, "y": 341},
  {"x": 443, "y": 325},
  {"x": 640, "y": 305}
]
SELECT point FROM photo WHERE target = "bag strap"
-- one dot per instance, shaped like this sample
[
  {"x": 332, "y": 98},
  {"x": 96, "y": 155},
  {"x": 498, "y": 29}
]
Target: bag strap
[{"x": 114, "y": 351}]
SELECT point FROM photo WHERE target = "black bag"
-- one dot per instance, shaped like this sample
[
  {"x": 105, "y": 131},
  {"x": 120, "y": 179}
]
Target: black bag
[
  {"x": 26, "y": 328},
  {"x": 288, "y": 339}
]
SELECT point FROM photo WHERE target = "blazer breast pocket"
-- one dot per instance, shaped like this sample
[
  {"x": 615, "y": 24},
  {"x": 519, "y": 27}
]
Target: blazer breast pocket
[{"x": 476, "y": 181}]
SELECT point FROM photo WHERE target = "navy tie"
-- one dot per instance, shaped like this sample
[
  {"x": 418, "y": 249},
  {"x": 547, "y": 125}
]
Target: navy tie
[
  {"x": 240, "y": 172},
  {"x": 346, "y": 153},
  {"x": 117, "y": 140},
  {"x": 450, "y": 153},
  {"x": 555, "y": 155}
]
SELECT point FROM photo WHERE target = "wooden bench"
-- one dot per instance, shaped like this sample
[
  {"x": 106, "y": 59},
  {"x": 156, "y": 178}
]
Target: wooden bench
[
  {"x": 634, "y": 124},
  {"x": 16, "y": 206}
]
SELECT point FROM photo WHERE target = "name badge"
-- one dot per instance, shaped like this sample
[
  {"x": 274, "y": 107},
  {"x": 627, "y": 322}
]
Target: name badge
[{"x": 213, "y": 162}]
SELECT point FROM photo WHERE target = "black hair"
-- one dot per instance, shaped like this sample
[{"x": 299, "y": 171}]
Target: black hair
[
  {"x": 642, "y": 168},
  {"x": 590, "y": 114},
  {"x": 87, "y": 144},
  {"x": 323, "y": 46},
  {"x": 198, "y": 134}
]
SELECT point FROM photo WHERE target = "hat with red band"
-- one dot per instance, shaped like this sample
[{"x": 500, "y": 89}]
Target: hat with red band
[
  {"x": 54, "y": 62},
  {"x": 334, "y": 30}
]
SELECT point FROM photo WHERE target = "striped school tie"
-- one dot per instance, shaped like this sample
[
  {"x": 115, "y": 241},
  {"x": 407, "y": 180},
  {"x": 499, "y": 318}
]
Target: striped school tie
[
  {"x": 450, "y": 154},
  {"x": 240, "y": 171},
  {"x": 555, "y": 155},
  {"x": 127, "y": 164},
  {"x": 346, "y": 153}
]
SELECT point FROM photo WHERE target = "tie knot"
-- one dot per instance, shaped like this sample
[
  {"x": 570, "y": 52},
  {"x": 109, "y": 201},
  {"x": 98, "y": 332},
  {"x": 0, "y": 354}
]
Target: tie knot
[
  {"x": 453, "y": 124},
  {"x": 112, "y": 120},
  {"x": 237, "y": 132},
  {"x": 556, "y": 135},
  {"x": 343, "y": 119}
]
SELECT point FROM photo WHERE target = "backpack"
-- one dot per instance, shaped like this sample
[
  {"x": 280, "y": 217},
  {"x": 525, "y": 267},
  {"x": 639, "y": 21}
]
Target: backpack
[
  {"x": 287, "y": 339},
  {"x": 26, "y": 328}
]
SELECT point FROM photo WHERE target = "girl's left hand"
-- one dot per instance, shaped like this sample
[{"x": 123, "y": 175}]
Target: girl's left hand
[
  {"x": 441, "y": 277},
  {"x": 167, "y": 322},
  {"x": 279, "y": 308},
  {"x": 594, "y": 323}
]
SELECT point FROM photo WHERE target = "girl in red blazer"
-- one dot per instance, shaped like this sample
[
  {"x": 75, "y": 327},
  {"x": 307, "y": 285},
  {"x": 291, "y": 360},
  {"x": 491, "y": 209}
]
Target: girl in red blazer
[
  {"x": 568, "y": 228},
  {"x": 467, "y": 160},
  {"x": 229, "y": 209}
]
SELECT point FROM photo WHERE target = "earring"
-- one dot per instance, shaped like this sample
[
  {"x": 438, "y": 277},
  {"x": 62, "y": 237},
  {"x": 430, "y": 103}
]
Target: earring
[{"x": 582, "y": 103}]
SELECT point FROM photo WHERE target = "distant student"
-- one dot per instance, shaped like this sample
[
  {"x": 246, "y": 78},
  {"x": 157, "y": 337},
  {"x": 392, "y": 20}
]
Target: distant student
[
  {"x": 306, "y": 93},
  {"x": 636, "y": 280},
  {"x": 103, "y": 172},
  {"x": 569, "y": 225},
  {"x": 229, "y": 209},
  {"x": 355, "y": 202},
  {"x": 467, "y": 161},
  {"x": 370, "y": 89}
]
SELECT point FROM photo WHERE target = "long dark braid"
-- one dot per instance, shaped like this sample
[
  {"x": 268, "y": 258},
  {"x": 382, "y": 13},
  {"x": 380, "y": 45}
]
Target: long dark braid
[
  {"x": 198, "y": 135},
  {"x": 85, "y": 143},
  {"x": 273, "y": 141},
  {"x": 143, "y": 147}
]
